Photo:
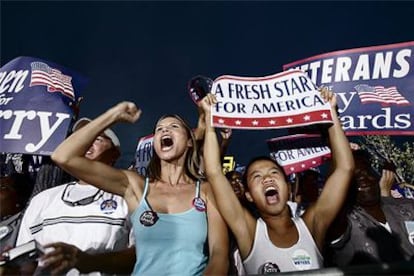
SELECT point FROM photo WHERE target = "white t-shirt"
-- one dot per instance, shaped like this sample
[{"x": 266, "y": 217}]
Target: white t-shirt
[
  {"x": 265, "y": 257},
  {"x": 100, "y": 226}
]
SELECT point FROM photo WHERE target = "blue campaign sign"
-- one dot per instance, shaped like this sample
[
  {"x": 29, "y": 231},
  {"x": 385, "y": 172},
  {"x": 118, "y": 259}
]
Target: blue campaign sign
[
  {"x": 35, "y": 105},
  {"x": 374, "y": 86},
  {"x": 144, "y": 153}
]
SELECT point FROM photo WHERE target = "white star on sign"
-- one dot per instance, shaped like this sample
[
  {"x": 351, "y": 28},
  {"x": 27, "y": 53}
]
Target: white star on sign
[
  {"x": 255, "y": 123},
  {"x": 221, "y": 121},
  {"x": 313, "y": 162},
  {"x": 238, "y": 122},
  {"x": 289, "y": 120},
  {"x": 272, "y": 122},
  {"x": 292, "y": 169},
  {"x": 306, "y": 118},
  {"x": 324, "y": 115},
  {"x": 303, "y": 165}
]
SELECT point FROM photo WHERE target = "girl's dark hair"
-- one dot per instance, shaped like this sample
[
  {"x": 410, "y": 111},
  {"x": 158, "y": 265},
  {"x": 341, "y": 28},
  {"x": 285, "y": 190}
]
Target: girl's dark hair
[
  {"x": 260, "y": 158},
  {"x": 192, "y": 159}
]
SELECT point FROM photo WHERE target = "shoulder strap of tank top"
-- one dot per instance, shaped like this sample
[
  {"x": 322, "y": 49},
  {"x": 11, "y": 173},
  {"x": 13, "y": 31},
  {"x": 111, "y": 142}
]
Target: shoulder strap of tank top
[
  {"x": 197, "y": 188},
  {"x": 144, "y": 195}
]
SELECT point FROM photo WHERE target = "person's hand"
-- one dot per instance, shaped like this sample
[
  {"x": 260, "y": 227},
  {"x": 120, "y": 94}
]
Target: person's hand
[
  {"x": 354, "y": 146},
  {"x": 5, "y": 249},
  {"x": 126, "y": 112},
  {"x": 225, "y": 133},
  {"x": 208, "y": 101},
  {"x": 61, "y": 259},
  {"x": 328, "y": 95},
  {"x": 386, "y": 181}
]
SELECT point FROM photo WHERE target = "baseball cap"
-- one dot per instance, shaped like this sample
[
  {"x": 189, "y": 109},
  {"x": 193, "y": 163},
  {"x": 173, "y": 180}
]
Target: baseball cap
[{"x": 108, "y": 132}]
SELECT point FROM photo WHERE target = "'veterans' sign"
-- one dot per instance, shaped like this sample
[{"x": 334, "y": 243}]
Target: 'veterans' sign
[{"x": 374, "y": 85}]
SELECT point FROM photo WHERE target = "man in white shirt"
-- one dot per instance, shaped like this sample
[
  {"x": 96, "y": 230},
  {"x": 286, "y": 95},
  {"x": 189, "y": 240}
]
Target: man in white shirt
[{"x": 78, "y": 214}]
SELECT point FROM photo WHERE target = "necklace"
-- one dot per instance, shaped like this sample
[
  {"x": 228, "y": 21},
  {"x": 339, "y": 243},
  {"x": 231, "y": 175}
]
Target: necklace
[{"x": 81, "y": 202}]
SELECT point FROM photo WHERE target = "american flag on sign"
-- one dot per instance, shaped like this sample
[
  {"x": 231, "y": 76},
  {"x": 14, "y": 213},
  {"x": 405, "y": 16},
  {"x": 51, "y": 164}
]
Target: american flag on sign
[
  {"x": 55, "y": 81},
  {"x": 380, "y": 94}
]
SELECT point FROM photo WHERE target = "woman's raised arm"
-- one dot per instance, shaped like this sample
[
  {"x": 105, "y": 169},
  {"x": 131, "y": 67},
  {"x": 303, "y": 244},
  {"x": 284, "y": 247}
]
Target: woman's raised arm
[{"x": 70, "y": 154}]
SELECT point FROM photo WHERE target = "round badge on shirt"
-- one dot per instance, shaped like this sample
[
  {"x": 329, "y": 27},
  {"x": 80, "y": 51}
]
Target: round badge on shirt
[
  {"x": 301, "y": 259},
  {"x": 269, "y": 268},
  {"x": 199, "y": 204},
  {"x": 109, "y": 206},
  {"x": 148, "y": 218}
]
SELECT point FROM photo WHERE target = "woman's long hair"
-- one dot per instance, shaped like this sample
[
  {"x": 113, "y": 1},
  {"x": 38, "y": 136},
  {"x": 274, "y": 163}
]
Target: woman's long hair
[{"x": 192, "y": 158}]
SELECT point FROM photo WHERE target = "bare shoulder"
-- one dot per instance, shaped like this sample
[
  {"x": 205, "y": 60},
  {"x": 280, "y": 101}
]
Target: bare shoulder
[
  {"x": 309, "y": 215},
  {"x": 206, "y": 191},
  {"x": 205, "y": 186}
]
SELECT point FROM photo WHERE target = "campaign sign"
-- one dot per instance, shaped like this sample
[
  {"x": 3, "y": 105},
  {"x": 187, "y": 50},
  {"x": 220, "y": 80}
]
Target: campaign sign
[
  {"x": 143, "y": 154},
  {"x": 300, "y": 152},
  {"x": 284, "y": 100},
  {"x": 374, "y": 86},
  {"x": 35, "y": 99}
]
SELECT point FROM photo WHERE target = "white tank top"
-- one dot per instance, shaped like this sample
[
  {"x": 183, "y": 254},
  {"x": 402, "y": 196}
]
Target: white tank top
[{"x": 265, "y": 257}]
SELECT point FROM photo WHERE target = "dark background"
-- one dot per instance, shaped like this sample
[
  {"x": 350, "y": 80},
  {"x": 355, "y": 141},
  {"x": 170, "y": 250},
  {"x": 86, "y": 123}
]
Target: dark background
[{"x": 146, "y": 52}]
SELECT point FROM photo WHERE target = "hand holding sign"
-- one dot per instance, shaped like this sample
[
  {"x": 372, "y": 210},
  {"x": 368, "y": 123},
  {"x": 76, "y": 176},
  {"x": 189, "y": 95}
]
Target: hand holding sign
[
  {"x": 225, "y": 133},
  {"x": 207, "y": 102},
  {"x": 328, "y": 95}
]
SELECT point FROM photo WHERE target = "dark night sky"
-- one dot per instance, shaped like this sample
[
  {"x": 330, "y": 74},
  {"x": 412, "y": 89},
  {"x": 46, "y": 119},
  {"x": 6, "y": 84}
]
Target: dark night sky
[{"x": 147, "y": 51}]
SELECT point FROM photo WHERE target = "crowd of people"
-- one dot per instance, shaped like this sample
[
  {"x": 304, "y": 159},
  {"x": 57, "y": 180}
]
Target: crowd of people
[{"x": 188, "y": 217}]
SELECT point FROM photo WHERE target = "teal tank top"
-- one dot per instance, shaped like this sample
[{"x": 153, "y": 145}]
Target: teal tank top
[{"x": 170, "y": 244}]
